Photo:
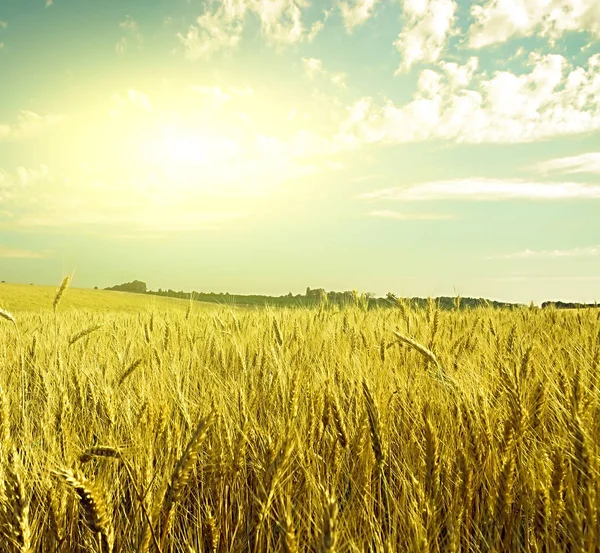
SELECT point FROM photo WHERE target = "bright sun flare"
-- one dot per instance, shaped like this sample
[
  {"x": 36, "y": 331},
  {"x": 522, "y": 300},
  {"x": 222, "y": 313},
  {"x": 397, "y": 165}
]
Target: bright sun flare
[{"x": 178, "y": 149}]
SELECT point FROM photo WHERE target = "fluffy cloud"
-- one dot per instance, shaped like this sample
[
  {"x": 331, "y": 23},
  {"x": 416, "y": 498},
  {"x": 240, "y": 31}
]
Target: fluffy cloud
[
  {"x": 483, "y": 189},
  {"x": 356, "y": 12},
  {"x": 428, "y": 25},
  {"x": 281, "y": 21},
  {"x": 218, "y": 29},
  {"x": 498, "y": 20},
  {"x": 221, "y": 25},
  {"x": 457, "y": 103},
  {"x": 584, "y": 163}
]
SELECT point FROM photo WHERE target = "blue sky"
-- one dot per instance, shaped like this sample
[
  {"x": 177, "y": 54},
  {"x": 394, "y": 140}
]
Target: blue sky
[{"x": 424, "y": 147}]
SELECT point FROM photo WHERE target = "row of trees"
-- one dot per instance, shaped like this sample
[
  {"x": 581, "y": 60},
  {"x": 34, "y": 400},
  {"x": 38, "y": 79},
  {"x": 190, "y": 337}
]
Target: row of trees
[{"x": 312, "y": 297}]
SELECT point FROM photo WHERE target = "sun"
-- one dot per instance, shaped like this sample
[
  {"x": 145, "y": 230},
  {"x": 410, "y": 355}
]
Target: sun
[{"x": 188, "y": 150}]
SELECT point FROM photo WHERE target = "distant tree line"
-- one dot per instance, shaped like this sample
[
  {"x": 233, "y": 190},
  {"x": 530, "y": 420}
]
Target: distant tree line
[
  {"x": 313, "y": 297},
  {"x": 568, "y": 305}
]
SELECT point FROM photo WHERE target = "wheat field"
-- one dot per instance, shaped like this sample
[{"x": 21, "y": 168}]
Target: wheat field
[{"x": 192, "y": 430}]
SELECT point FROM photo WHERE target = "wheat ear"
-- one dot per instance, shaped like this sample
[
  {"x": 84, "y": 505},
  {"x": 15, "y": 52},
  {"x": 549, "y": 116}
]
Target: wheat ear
[
  {"x": 94, "y": 505},
  {"x": 181, "y": 474}
]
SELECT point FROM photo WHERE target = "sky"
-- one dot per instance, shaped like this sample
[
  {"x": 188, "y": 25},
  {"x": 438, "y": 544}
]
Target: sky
[{"x": 421, "y": 147}]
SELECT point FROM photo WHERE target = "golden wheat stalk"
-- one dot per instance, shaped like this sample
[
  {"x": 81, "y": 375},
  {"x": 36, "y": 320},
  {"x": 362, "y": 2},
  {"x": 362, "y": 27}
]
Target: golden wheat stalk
[
  {"x": 4, "y": 420},
  {"x": 17, "y": 508},
  {"x": 181, "y": 474},
  {"x": 329, "y": 524},
  {"x": 99, "y": 451},
  {"x": 338, "y": 420},
  {"x": 60, "y": 292},
  {"x": 7, "y": 316},
  {"x": 428, "y": 354},
  {"x": 375, "y": 425},
  {"x": 85, "y": 332},
  {"x": 93, "y": 503},
  {"x": 129, "y": 371}
]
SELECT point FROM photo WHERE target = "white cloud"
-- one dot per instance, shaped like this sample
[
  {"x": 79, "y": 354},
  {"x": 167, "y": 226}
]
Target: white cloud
[
  {"x": 428, "y": 25},
  {"x": 16, "y": 253},
  {"x": 221, "y": 25},
  {"x": 313, "y": 68},
  {"x": 281, "y": 20},
  {"x": 216, "y": 30},
  {"x": 457, "y": 103},
  {"x": 29, "y": 124},
  {"x": 399, "y": 216},
  {"x": 485, "y": 189},
  {"x": 131, "y": 34},
  {"x": 356, "y": 12},
  {"x": 496, "y": 21},
  {"x": 583, "y": 163},
  {"x": 586, "y": 251},
  {"x": 315, "y": 29}
]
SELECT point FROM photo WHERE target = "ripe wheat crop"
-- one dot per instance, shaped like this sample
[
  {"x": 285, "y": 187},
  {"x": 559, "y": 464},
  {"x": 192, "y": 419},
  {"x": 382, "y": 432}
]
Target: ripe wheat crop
[{"x": 299, "y": 430}]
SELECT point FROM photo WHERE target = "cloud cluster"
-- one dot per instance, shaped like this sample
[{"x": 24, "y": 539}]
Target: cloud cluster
[
  {"x": 496, "y": 21},
  {"x": 428, "y": 24},
  {"x": 457, "y": 103},
  {"x": 356, "y": 12},
  {"x": 221, "y": 25}
]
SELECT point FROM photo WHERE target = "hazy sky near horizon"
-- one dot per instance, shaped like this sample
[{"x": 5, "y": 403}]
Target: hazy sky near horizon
[{"x": 424, "y": 147}]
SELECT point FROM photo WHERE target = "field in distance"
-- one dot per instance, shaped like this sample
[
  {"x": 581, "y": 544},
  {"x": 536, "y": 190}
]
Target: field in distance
[{"x": 24, "y": 297}]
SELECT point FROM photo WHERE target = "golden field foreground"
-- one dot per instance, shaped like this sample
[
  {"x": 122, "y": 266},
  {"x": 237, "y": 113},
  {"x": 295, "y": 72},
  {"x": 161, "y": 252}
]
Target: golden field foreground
[{"x": 299, "y": 430}]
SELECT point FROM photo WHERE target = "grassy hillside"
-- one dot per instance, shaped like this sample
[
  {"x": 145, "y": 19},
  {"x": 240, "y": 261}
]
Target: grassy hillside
[
  {"x": 300, "y": 430},
  {"x": 21, "y": 297}
]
